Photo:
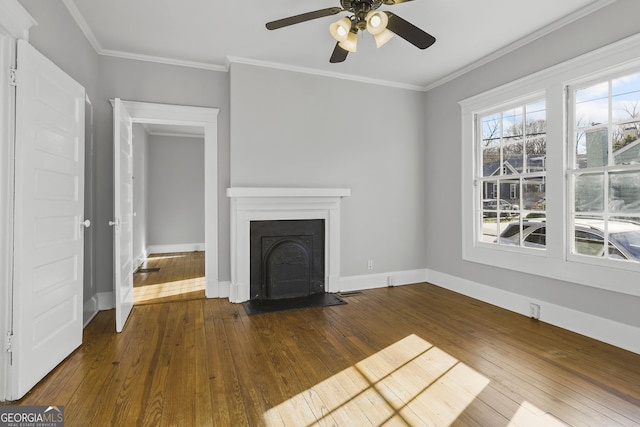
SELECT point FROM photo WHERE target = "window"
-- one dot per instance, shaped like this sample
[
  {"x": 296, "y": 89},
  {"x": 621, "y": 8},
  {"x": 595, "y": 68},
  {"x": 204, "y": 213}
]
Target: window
[
  {"x": 604, "y": 168},
  {"x": 512, "y": 147},
  {"x": 550, "y": 171}
]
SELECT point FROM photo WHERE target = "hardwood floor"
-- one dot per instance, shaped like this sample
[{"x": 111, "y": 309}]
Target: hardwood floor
[
  {"x": 181, "y": 276},
  {"x": 409, "y": 355}
]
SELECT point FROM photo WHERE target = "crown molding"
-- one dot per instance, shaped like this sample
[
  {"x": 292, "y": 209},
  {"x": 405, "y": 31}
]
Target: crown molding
[
  {"x": 15, "y": 20},
  {"x": 163, "y": 60},
  {"x": 286, "y": 67},
  {"x": 556, "y": 25},
  {"x": 84, "y": 27},
  {"x": 75, "y": 13}
]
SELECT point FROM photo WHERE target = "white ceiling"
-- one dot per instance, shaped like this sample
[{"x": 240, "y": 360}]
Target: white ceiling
[{"x": 210, "y": 33}]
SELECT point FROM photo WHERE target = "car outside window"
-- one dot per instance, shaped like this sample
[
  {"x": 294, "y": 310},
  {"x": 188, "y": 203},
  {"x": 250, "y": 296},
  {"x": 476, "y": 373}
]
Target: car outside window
[
  {"x": 604, "y": 167},
  {"x": 511, "y": 151}
]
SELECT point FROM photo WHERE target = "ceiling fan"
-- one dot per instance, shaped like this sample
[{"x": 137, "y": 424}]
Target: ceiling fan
[{"x": 365, "y": 16}]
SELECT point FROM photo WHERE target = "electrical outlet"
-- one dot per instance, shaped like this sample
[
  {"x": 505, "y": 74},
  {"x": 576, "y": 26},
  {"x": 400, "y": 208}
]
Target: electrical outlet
[
  {"x": 370, "y": 264},
  {"x": 534, "y": 311}
]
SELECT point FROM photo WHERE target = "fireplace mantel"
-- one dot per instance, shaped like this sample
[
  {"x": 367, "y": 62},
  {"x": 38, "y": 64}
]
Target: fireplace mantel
[{"x": 264, "y": 204}]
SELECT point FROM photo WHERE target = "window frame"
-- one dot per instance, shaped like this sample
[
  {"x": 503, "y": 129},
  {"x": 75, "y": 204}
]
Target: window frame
[
  {"x": 555, "y": 262},
  {"x": 606, "y": 76},
  {"x": 481, "y": 181}
]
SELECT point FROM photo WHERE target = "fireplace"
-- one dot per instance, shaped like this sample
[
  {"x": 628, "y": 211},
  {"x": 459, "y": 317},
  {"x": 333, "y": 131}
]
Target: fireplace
[
  {"x": 287, "y": 258},
  {"x": 249, "y": 204}
]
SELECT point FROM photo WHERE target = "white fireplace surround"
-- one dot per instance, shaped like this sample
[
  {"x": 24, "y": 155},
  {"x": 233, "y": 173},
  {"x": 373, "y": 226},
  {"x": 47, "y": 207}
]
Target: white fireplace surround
[{"x": 265, "y": 204}]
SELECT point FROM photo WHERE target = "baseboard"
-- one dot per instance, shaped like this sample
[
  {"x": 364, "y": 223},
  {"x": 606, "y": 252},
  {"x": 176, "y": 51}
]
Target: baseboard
[
  {"x": 140, "y": 259},
  {"x": 180, "y": 247},
  {"x": 89, "y": 310},
  {"x": 106, "y": 300},
  {"x": 224, "y": 289},
  {"x": 382, "y": 280},
  {"x": 601, "y": 329}
]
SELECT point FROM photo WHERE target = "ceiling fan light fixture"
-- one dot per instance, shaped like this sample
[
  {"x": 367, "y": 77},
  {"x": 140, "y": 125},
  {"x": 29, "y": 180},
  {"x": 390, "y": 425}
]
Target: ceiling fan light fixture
[
  {"x": 377, "y": 22},
  {"x": 383, "y": 37},
  {"x": 350, "y": 43},
  {"x": 340, "y": 29}
]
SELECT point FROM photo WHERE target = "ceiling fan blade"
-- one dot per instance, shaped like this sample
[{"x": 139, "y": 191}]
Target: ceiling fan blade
[
  {"x": 392, "y": 2},
  {"x": 409, "y": 32},
  {"x": 339, "y": 54},
  {"x": 285, "y": 22}
]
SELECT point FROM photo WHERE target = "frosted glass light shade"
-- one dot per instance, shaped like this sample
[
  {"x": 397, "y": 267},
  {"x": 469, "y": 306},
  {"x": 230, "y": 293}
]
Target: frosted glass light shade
[
  {"x": 376, "y": 22},
  {"x": 383, "y": 37},
  {"x": 340, "y": 29},
  {"x": 351, "y": 43}
]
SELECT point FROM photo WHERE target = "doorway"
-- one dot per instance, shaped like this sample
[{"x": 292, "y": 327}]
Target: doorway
[
  {"x": 168, "y": 213},
  {"x": 205, "y": 119}
]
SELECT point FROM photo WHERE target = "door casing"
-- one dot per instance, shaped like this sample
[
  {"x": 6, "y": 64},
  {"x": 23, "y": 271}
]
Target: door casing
[{"x": 207, "y": 118}]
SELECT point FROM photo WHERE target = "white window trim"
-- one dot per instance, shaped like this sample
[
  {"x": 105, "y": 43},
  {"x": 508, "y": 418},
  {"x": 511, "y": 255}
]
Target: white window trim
[{"x": 553, "y": 262}]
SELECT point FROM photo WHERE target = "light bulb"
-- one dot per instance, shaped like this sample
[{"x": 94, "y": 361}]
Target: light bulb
[{"x": 376, "y": 22}]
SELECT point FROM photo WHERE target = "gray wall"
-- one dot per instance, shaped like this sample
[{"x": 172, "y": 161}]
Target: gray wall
[
  {"x": 167, "y": 84},
  {"x": 175, "y": 190},
  {"x": 401, "y": 157},
  {"x": 58, "y": 38},
  {"x": 443, "y": 158},
  {"x": 301, "y": 130},
  {"x": 140, "y": 192}
]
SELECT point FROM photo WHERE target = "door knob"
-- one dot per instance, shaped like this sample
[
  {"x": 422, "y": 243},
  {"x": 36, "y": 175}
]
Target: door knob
[
  {"x": 86, "y": 223},
  {"x": 112, "y": 223}
]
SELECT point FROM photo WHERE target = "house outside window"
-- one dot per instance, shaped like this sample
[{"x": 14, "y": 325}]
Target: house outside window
[
  {"x": 604, "y": 169},
  {"x": 511, "y": 148},
  {"x": 577, "y": 191}
]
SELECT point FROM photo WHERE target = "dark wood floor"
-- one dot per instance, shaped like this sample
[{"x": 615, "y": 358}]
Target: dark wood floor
[
  {"x": 410, "y": 355},
  {"x": 181, "y": 277}
]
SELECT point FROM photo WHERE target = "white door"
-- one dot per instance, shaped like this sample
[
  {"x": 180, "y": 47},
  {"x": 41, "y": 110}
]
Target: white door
[
  {"x": 123, "y": 213},
  {"x": 49, "y": 223}
]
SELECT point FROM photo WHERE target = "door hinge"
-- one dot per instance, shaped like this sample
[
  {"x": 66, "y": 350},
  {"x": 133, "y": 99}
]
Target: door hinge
[
  {"x": 8, "y": 342},
  {"x": 13, "y": 76}
]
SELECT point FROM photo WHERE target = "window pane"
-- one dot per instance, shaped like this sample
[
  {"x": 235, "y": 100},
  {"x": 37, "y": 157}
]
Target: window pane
[
  {"x": 589, "y": 193},
  {"x": 592, "y": 148},
  {"x": 512, "y": 155},
  {"x": 592, "y": 105},
  {"x": 626, "y": 98},
  {"x": 626, "y": 144},
  {"x": 512, "y": 124},
  {"x": 490, "y": 128},
  {"x": 489, "y": 195},
  {"x": 536, "y": 154},
  {"x": 537, "y": 238},
  {"x": 533, "y": 194},
  {"x": 491, "y": 161},
  {"x": 624, "y": 192},
  {"x": 536, "y": 119},
  {"x": 490, "y": 145},
  {"x": 588, "y": 243},
  {"x": 624, "y": 234}
]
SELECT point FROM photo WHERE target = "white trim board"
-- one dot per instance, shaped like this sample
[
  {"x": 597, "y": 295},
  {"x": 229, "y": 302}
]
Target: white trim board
[
  {"x": 605, "y": 330},
  {"x": 382, "y": 280},
  {"x": 178, "y": 247},
  {"x": 206, "y": 117}
]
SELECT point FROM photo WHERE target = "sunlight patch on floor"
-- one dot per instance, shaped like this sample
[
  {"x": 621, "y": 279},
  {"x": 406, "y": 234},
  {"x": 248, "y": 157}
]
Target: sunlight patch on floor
[
  {"x": 168, "y": 289},
  {"x": 529, "y": 415},
  {"x": 411, "y": 382}
]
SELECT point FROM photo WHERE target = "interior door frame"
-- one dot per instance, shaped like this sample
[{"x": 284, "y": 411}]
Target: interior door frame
[
  {"x": 207, "y": 118},
  {"x": 15, "y": 23}
]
